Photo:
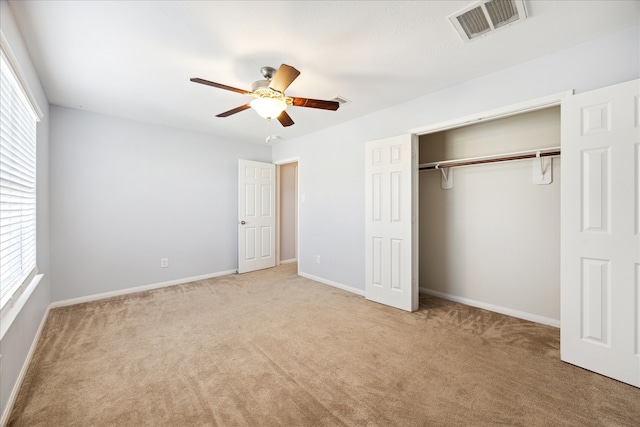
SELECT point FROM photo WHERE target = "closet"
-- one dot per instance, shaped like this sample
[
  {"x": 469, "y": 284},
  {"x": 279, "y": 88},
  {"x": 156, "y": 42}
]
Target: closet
[{"x": 489, "y": 233}]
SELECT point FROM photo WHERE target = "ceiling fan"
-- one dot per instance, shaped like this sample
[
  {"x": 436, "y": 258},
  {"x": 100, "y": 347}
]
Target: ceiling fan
[{"x": 269, "y": 99}]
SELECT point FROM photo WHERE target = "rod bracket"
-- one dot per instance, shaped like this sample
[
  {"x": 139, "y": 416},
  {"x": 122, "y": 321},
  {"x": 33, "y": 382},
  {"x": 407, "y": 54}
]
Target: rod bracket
[
  {"x": 542, "y": 170},
  {"x": 447, "y": 177}
]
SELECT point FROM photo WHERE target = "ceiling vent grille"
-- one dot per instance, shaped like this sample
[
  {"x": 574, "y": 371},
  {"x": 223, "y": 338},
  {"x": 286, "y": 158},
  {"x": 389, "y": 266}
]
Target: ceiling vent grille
[
  {"x": 481, "y": 18},
  {"x": 341, "y": 100}
]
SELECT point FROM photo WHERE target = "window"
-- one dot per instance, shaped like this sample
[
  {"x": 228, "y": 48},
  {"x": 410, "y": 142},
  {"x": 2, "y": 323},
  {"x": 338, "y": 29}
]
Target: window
[{"x": 17, "y": 185}]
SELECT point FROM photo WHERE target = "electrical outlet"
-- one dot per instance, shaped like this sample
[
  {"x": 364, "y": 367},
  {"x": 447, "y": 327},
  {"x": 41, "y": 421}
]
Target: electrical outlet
[
  {"x": 317, "y": 259},
  {"x": 164, "y": 262}
]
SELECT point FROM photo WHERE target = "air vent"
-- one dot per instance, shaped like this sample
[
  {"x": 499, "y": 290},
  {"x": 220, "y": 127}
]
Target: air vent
[
  {"x": 484, "y": 17},
  {"x": 341, "y": 100}
]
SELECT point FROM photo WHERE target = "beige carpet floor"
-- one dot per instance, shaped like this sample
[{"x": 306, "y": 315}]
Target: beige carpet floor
[{"x": 273, "y": 349}]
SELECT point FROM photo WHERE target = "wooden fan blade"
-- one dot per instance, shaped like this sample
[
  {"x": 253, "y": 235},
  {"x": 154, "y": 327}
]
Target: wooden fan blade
[
  {"x": 235, "y": 110},
  {"x": 285, "y": 75},
  {"x": 315, "y": 103},
  {"x": 284, "y": 119},
  {"x": 218, "y": 85}
]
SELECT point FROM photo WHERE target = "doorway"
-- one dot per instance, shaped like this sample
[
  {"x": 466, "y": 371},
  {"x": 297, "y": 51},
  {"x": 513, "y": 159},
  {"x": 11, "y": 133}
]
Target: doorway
[
  {"x": 490, "y": 231},
  {"x": 287, "y": 212}
]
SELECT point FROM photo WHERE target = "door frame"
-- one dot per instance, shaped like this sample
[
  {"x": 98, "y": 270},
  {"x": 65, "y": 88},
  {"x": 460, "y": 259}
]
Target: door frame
[
  {"x": 497, "y": 113},
  {"x": 540, "y": 103},
  {"x": 552, "y": 100},
  {"x": 297, "y": 215}
]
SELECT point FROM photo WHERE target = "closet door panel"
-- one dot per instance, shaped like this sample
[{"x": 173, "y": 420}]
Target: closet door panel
[
  {"x": 595, "y": 191},
  {"x": 600, "y": 244},
  {"x": 390, "y": 242}
]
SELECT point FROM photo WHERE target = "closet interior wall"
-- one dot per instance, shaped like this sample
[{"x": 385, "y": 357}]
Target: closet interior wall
[{"x": 493, "y": 239}]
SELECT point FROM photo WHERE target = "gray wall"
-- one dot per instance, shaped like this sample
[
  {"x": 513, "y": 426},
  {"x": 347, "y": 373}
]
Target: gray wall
[
  {"x": 331, "y": 162},
  {"x": 16, "y": 343},
  {"x": 126, "y": 194}
]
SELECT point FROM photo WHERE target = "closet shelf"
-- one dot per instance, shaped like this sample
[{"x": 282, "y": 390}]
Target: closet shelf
[{"x": 529, "y": 154}]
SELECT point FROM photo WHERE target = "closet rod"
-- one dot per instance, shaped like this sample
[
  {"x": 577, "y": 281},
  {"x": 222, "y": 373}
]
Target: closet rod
[{"x": 531, "y": 154}]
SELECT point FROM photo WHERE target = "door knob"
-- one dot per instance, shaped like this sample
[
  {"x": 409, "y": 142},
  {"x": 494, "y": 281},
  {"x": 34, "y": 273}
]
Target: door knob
[{"x": 243, "y": 222}]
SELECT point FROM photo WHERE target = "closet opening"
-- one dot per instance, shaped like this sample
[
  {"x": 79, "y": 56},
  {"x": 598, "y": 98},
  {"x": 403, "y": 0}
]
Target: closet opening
[{"x": 489, "y": 214}]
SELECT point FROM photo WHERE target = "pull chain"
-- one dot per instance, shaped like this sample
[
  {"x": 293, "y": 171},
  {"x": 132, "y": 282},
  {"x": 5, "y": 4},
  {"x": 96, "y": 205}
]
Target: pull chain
[{"x": 268, "y": 138}]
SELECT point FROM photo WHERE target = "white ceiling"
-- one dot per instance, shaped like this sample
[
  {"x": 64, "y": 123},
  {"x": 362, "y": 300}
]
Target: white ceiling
[{"x": 133, "y": 59}]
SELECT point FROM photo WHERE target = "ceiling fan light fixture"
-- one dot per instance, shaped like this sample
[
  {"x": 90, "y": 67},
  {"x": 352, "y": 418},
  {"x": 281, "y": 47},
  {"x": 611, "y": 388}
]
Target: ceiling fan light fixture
[{"x": 269, "y": 108}]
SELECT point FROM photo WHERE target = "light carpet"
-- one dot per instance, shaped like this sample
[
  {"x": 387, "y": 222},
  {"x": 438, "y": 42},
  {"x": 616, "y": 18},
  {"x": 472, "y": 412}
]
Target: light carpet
[{"x": 271, "y": 348}]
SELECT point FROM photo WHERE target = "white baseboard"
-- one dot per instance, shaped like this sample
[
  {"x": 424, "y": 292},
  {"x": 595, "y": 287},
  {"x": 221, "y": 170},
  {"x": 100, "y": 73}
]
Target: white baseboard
[
  {"x": 120, "y": 292},
  {"x": 498, "y": 309},
  {"x": 289, "y": 261},
  {"x": 23, "y": 371},
  {"x": 334, "y": 284}
]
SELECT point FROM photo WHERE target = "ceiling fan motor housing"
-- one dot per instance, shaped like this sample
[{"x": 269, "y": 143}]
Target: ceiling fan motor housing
[{"x": 268, "y": 72}]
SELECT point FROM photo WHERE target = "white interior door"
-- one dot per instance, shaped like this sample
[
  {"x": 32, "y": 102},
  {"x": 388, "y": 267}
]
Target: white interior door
[
  {"x": 600, "y": 243},
  {"x": 391, "y": 249},
  {"x": 256, "y": 216}
]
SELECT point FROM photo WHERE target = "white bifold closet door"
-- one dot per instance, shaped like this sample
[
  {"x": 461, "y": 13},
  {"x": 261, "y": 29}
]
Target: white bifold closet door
[
  {"x": 391, "y": 200},
  {"x": 600, "y": 243}
]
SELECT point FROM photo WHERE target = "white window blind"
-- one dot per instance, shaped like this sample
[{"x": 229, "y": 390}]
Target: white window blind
[{"x": 17, "y": 185}]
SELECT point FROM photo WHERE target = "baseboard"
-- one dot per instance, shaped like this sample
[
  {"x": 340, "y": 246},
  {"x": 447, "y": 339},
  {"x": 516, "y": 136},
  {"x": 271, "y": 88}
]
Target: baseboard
[
  {"x": 25, "y": 367},
  {"x": 498, "y": 309},
  {"x": 289, "y": 261},
  {"x": 143, "y": 288},
  {"x": 334, "y": 284}
]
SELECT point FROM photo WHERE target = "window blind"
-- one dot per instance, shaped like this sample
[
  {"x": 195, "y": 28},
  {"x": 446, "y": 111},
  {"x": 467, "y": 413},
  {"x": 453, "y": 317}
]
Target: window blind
[{"x": 17, "y": 185}]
